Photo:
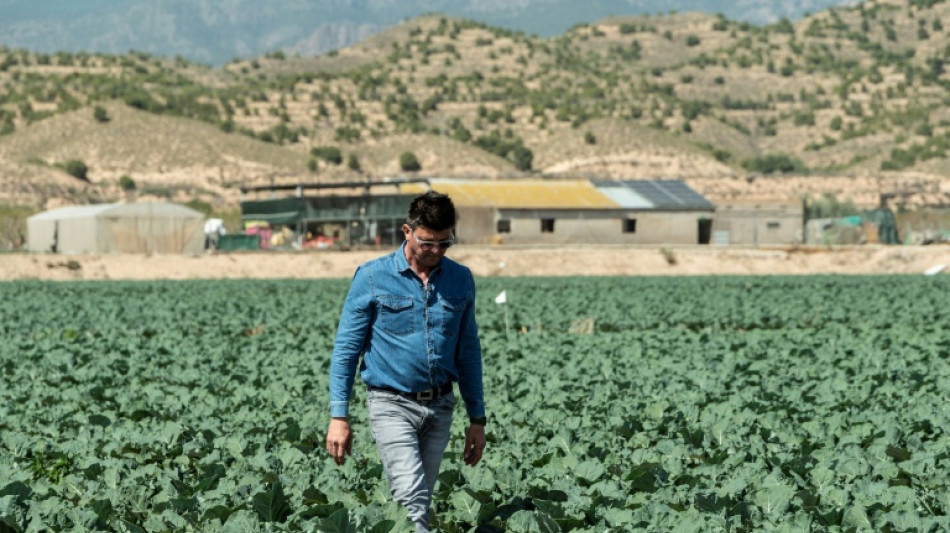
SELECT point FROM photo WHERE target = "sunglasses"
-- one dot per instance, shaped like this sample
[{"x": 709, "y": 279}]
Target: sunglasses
[{"x": 431, "y": 245}]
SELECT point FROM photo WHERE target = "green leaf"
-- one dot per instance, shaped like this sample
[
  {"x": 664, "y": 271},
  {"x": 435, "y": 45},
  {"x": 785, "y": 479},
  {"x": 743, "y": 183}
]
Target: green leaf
[
  {"x": 590, "y": 471},
  {"x": 532, "y": 522},
  {"x": 618, "y": 517},
  {"x": 384, "y": 526},
  {"x": 774, "y": 496},
  {"x": 18, "y": 490},
  {"x": 552, "y": 509},
  {"x": 314, "y": 496},
  {"x": 242, "y": 521},
  {"x": 338, "y": 522},
  {"x": 12, "y": 515},
  {"x": 124, "y": 526},
  {"x": 272, "y": 505},
  {"x": 99, "y": 420},
  {"x": 522, "y": 522},
  {"x": 546, "y": 524},
  {"x": 857, "y": 517},
  {"x": 466, "y": 506}
]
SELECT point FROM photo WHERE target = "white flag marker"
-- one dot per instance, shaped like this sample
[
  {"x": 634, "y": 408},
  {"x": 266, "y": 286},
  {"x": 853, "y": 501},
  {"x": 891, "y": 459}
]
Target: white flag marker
[
  {"x": 932, "y": 271},
  {"x": 502, "y": 297}
]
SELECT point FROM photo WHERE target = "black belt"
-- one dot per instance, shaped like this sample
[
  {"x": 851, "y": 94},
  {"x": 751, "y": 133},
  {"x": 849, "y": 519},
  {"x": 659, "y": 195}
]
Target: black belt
[{"x": 428, "y": 394}]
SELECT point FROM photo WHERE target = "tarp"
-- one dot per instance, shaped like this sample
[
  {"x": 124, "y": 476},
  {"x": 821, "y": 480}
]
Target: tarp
[{"x": 148, "y": 227}]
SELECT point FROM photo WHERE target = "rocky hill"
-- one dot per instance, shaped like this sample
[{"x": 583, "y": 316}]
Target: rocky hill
[
  {"x": 213, "y": 32},
  {"x": 849, "y": 102}
]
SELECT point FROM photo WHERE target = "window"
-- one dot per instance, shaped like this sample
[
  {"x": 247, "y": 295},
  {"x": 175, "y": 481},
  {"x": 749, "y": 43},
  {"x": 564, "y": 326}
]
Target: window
[
  {"x": 547, "y": 225},
  {"x": 773, "y": 225},
  {"x": 629, "y": 225},
  {"x": 503, "y": 226}
]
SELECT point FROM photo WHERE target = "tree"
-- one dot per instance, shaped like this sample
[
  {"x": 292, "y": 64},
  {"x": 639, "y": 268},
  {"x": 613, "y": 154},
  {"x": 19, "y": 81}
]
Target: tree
[
  {"x": 353, "y": 163},
  {"x": 126, "y": 183},
  {"x": 590, "y": 138},
  {"x": 522, "y": 158},
  {"x": 100, "y": 114},
  {"x": 408, "y": 162},
  {"x": 76, "y": 169}
]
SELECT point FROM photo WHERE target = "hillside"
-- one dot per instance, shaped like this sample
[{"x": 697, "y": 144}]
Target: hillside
[
  {"x": 214, "y": 32},
  {"x": 849, "y": 101}
]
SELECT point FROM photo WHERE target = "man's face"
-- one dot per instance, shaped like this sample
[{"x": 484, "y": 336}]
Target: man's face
[{"x": 426, "y": 247}]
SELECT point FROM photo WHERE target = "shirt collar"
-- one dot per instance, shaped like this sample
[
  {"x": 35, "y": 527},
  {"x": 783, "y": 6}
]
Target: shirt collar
[{"x": 402, "y": 264}]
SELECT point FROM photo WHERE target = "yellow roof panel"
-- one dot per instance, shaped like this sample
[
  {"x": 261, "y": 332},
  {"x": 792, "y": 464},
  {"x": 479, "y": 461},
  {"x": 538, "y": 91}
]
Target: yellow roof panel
[{"x": 520, "y": 194}]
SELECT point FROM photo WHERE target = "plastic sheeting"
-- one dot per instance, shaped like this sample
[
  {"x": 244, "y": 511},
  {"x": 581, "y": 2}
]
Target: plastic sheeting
[{"x": 153, "y": 228}]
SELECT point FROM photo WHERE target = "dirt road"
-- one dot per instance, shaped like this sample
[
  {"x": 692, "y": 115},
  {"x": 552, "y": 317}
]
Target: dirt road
[{"x": 489, "y": 261}]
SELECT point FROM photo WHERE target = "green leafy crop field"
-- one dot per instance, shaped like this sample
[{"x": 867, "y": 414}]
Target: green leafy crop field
[{"x": 616, "y": 404}]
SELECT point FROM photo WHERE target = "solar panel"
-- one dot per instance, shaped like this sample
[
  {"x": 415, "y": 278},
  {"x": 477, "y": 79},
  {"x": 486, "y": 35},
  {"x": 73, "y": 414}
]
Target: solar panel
[
  {"x": 653, "y": 194},
  {"x": 669, "y": 194}
]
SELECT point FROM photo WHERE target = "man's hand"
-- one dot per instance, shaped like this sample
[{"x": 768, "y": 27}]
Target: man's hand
[
  {"x": 340, "y": 439},
  {"x": 474, "y": 444}
]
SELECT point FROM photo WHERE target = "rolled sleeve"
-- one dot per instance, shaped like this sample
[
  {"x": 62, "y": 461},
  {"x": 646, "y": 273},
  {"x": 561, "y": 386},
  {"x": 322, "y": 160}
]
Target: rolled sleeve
[{"x": 350, "y": 340}]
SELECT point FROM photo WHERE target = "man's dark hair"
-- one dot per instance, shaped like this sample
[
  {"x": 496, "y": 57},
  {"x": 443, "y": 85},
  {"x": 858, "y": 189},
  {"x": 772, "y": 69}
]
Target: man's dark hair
[{"x": 433, "y": 210}]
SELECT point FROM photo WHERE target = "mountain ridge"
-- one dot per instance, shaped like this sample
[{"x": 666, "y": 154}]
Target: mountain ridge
[{"x": 216, "y": 32}]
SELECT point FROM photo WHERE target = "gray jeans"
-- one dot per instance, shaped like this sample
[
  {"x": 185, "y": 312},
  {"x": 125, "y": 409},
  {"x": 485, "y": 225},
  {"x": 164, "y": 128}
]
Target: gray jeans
[{"x": 411, "y": 437}]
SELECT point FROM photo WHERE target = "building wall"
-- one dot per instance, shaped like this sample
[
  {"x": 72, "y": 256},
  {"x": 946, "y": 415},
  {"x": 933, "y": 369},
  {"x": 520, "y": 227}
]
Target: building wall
[
  {"x": 72, "y": 235},
  {"x": 758, "y": 223},
  {"x": 476, "y": 225},
  {"x": 600, "y": 227},
  {"x": 153, "y": 235}
]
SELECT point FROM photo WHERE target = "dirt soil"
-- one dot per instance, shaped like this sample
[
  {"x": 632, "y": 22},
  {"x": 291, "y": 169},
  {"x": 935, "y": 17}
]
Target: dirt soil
[{"x": 490, "y": 261}]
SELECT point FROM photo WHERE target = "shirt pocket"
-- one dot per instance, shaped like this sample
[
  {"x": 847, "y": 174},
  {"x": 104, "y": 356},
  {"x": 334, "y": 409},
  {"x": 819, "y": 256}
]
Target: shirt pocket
[
  {"x": 395, "y": 314},
  {"x": 451, "y": 314}
]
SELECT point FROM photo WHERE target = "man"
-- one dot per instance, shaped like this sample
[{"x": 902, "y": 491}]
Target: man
[{"x": 411, "y": 316}]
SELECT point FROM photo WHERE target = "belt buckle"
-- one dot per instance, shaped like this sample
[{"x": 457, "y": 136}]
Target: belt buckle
[{"x": 425, "y": 395}]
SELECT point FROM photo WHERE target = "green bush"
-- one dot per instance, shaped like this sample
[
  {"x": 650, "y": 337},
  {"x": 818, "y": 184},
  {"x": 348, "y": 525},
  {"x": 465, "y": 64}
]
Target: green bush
[
  {"x": 804, "y": 118},
  {"x": 408, "y": 162},
  {"x": 353, "y": 163},
  {"x": 522, "y": 158},
  {"x": 76, "y": 169},
  {"x": 346, "y": 133},
  {"x": 126, "y": 183},
  {"x": 100, "y": 114},
  {"x": 330, "y": 154},
  {"x": 773, "y": 163}
]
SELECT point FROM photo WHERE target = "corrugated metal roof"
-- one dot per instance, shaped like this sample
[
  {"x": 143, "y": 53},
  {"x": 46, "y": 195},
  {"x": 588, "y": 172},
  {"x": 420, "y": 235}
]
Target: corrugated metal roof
[
  {"x": 626, "y": 197},
  {"x": 658, "y": 194},
  {"x": 520, "y": 194}
]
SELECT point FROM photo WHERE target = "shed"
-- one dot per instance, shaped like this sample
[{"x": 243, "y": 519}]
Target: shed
[
  {"x": 761, "y": 221},
  {"x": 147, "y": 227}
]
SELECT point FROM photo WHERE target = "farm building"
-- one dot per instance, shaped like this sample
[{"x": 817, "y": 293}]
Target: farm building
[
  {"x": 759, "y": 222},
  {"x": 159, "y": 228},
  {"x": 578, "y": 211},
  {"x": 531, "y": 211}
]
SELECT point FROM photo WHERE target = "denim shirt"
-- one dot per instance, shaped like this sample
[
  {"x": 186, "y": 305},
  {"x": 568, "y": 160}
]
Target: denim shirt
[{"x": 411, "y": 336}]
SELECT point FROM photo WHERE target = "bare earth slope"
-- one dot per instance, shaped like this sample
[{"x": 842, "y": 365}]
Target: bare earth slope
[{"x": 488, "y": 261}]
